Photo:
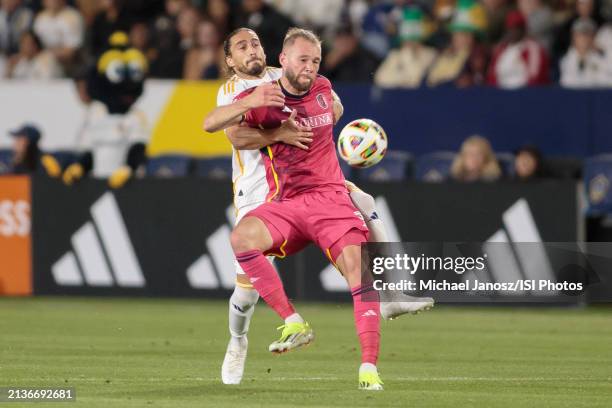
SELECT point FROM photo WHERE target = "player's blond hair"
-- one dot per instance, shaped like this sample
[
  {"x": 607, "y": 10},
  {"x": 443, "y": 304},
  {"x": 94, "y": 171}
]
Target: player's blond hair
[{"x": 294, "y": 33}]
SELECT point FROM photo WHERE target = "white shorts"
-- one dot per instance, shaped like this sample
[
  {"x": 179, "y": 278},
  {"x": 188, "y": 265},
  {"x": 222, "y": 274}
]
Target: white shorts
[{"x": 240, "y": 213}]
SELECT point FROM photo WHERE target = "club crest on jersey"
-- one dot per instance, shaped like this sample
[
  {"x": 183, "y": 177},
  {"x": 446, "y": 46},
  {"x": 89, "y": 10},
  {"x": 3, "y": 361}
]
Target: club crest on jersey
[{"x": 322, "y": 101}]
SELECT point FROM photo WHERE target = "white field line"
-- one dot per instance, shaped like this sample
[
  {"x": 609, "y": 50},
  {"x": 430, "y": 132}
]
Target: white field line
[{"x": 264, "y": 377}]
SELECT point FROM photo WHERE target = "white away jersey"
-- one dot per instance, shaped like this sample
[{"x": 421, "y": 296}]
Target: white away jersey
[{"x": 249, "y": 173}]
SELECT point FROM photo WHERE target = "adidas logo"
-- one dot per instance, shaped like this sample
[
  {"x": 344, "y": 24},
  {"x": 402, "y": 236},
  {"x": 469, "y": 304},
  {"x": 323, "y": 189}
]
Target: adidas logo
[
  {"x": 217, "y": 268},
  {"x": 370, "y": 312},
  {"x": 238, "y": 308},
  {"x": 102, "y": 254},
  {"x": 514, "y": 261}
]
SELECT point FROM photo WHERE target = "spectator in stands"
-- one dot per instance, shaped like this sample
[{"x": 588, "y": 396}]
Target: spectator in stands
[
  {"x": 407, "y": 66},
  {"x": 540, "y": 22},
  {"x": 27, "y": 157},
  {"x": 60, "y": 28},
  {"x": 33, "y": 62},
  {"x": 603, "y": 40},
  {"x": 218, "y": 11},
  {"x": 348, "y": 61},
  {"x": 496, "y": 11},
  {"x": 202, "y": 61},
  {"x": 463, "y": 62},
  {"x": 584, "y": 65},
  {"x": 140, "y": 38},
  {"x": 111, "y": 17},
  {"x": 528, "y": 163},
  {"x": 354, "y": 13},
  {"x": 187, "y": 25},
  {"x": 269, "y": 24},
  {"x": 169, "y": 57},
  {"x": 26, "y": 154},
  {"x": 175, "y": 43},
  {"x": 322, "y": 16},
  {"x": 15, "y": 19},
  {"x": 518, "y": 61},
  {"x": 475, "y": 162},
  {"x": 375, "y": 28},
  {"x": 563, "y": 37}
]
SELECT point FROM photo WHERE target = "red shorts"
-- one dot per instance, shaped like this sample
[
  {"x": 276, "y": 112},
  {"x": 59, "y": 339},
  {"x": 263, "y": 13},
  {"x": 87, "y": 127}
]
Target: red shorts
[{"x": 328, "y": 219}]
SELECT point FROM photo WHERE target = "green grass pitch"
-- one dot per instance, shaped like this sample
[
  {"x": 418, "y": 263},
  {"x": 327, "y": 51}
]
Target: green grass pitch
[{"x": 167, "y": 353}]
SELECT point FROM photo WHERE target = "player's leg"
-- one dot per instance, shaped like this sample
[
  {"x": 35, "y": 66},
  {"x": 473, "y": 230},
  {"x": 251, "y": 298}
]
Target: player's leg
[
  {"x": 250, "y": 239},
  {"x": 241, "y": 308},
  {"x": 365, "y": 309},
  {"x": 392, "y": 304},
  {"x": 367, "y": 207}
]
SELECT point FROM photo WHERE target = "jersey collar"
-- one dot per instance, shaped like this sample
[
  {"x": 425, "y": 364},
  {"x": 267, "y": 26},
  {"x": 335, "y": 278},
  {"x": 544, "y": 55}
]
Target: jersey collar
[{"x": 289, "y": 94}]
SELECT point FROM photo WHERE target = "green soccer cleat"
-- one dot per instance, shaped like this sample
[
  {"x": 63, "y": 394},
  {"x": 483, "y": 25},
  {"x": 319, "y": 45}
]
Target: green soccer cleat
[
  {"x": 294, "y": 335},
  {"x": 370, "y": 381}
]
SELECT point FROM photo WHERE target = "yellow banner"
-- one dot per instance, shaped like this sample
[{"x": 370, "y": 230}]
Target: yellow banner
[{"x": 179, "y": 128}]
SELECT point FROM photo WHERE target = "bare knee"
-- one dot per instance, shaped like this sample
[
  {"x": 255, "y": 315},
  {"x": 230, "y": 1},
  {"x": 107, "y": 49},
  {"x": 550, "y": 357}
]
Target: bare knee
[
  {"x": 250, "y": 234},
  {"x": 349, "y": 263}
]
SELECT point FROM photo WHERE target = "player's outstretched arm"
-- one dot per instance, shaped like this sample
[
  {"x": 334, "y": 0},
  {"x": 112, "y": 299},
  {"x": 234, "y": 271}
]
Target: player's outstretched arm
[
  {"x": 222, "y": 117},
  {"x": 289, "y": 132},
  {"x": 338, "y": 108}
]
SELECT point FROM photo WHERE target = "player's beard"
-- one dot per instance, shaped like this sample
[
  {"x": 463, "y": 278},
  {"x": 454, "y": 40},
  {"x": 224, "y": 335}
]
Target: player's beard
[
  {"x": 255, "y": 69},
  {"x": 293, "y": 80}
]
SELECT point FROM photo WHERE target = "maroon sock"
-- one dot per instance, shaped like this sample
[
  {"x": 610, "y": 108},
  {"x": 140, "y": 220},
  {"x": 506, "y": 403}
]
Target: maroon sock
[{"x": 266, "y": 281}]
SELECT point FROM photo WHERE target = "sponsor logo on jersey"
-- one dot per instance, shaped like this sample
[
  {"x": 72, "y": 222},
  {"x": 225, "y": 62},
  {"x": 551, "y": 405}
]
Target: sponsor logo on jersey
[
  {"x": 322, "y": 101},
  {"x": 318, "y": 121}
]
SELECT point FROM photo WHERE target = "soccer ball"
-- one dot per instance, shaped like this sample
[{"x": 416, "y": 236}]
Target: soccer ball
[{"x": 362, "y": 143}]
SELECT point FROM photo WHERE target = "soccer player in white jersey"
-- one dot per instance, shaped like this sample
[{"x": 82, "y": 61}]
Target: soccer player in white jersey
[{"x": 245, "y": 59}]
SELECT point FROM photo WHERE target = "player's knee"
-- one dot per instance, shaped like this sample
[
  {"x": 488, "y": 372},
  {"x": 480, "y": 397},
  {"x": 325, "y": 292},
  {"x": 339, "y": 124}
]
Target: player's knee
[
  {"x": 246, "y": 236},
  {"x": 364, "y": 202},
  {"x": 349, "y": 264},
  {"x": 240, "y": 240}
]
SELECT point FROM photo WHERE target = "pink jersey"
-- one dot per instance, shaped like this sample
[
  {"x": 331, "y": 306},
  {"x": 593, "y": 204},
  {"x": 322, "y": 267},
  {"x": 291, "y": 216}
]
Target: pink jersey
[{"x": 291, "y": 170}]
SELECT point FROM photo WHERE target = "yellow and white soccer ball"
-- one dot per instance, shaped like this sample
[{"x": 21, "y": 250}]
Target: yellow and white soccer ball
[{"x": 362, "y": 143}]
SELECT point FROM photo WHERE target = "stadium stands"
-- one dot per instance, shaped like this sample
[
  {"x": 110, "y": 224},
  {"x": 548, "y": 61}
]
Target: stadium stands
[
  {"x": 169, "y": 166},
  {"x": 506, "y": 162},
  {"x": 396, "y": 166},
  {"x": 218, "y": 168},
  {"x": 597, "y": 177},
  {"x": 5, "y": 160},
  {"x": 434, "y": 167}
]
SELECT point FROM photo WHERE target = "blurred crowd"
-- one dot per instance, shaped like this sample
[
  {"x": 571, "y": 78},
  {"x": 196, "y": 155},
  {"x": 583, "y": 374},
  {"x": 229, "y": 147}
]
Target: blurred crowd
[
  {"x": 394, "y": 43},
  {"x": 475, "y": 161}
]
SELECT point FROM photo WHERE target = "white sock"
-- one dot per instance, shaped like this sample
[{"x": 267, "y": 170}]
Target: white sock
[
  {"x": 367, "y": 207},
  {"x": 241, "y": 308},
  {"x": 294, "y": 318},
  {"x": 378, "y": 233},
  {"x": 367, "y": 368}
]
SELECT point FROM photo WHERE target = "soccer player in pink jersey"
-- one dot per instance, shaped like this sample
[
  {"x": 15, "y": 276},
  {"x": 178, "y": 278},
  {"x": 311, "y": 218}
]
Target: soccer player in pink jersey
[
  {"x": 307, "y": 202},
  {"x": 246, "y": 59}
]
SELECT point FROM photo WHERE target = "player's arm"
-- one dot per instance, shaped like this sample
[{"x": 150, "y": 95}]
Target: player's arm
[
  {"x": 290, "y": 132},
  {"x": 338, "y": 108},
  {"x": 232, "y": 114}
]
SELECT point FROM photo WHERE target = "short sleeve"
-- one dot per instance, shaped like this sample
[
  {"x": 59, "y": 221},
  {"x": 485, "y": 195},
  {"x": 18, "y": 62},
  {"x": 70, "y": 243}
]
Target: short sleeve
[{"x": 224, "y": 98}]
